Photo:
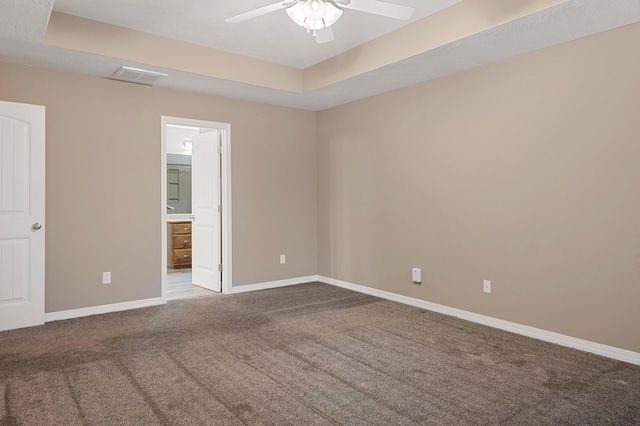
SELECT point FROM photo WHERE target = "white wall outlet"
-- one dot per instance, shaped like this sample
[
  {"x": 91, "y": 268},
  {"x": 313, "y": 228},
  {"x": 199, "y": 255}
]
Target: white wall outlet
[
  {"x": 486, "y": 284},
  {"x": 283, "y": 259},
  {"x": 416, "y": 275},
  {"x": 106, "y": 278}
]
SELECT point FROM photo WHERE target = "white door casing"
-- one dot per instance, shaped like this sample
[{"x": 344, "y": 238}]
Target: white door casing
[
  {"x": 226, "y": 226},
  {"x": 22, "y": 215},
  {"x": 205, "y": 202}
]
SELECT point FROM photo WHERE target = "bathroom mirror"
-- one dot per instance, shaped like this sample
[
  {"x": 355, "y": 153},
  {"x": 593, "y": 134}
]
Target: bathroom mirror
[
  {"x": 178, "y": 184},
  {"x": 178, "y": 169}
]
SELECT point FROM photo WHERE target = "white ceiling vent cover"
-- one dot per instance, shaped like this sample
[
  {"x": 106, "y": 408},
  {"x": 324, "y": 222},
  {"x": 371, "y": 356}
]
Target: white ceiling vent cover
[{"x": 136, "y": 75}]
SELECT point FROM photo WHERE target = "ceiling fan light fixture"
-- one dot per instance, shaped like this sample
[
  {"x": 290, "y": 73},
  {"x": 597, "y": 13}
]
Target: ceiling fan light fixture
[
  {"x": 318, "y": 16},
  {"x": 296, "y": 13},
  {"x": 314, "y": 14},
  {"x": 315, "y": 9},
  {"x": 331, "y": 15}
]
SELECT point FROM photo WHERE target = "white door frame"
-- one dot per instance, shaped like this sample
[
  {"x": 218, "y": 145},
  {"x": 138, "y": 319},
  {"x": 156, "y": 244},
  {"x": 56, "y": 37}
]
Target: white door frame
[{"x": 226, "y": 228}]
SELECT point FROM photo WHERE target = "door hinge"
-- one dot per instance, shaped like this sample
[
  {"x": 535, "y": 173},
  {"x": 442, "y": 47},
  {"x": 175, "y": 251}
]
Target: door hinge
[
  {"x": 220, "y": 149},
  {"x": 220, "y": 267},
  {"x": 220, "y": 208}
]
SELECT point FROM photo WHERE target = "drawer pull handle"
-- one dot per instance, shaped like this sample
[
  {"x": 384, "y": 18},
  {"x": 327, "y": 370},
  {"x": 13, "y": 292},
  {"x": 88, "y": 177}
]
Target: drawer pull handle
[
  {"x": 186, "y": 241},
  {"x": 186, "y": 255}
]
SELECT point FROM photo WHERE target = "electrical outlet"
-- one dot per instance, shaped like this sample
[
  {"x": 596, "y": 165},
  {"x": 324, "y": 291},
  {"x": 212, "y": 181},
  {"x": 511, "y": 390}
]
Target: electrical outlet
[
  {"x": 487, "y": 286},
  {"x": 416, "y": 275},
  {"x": 283, "y": 259},
  {"x": 106, "y": 278}
]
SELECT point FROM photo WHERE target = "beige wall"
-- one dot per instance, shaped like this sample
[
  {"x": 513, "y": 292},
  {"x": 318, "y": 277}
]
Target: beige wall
[
  {"x": 103, "y": 184},
  {"x": 525, "y": 172}
]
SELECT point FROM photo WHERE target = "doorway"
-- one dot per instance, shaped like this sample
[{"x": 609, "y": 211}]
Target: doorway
[{"x": 196, "y": 170}]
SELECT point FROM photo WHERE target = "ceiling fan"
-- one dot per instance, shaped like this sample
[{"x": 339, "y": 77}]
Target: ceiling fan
[{"x": 317, "y": 16}]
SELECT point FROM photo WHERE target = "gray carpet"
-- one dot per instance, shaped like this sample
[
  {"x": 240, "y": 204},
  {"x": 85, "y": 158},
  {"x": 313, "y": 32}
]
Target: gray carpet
[{"x": 304, "y": 355}]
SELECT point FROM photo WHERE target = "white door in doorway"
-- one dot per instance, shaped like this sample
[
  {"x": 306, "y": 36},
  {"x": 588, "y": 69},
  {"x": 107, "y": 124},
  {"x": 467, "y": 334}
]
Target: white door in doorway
[
  {"x": 205, "y": 202},
  {"x": 22, "y": 180}
]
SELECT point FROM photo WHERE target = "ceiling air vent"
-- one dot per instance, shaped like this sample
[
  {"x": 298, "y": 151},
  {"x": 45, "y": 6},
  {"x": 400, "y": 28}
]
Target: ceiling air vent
[{"x": 136, "y": 75}]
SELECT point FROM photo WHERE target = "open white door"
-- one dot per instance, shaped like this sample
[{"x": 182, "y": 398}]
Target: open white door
[
  {"x": 205, "y": 202},
  {"x": 22, "y": 162}
]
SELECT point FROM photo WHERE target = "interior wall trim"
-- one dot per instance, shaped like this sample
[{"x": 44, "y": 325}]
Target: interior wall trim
[
  {"x": 537, "y": 333},
  {"x": 273, "y": 284},
  {"x": 102, "y": 309}
]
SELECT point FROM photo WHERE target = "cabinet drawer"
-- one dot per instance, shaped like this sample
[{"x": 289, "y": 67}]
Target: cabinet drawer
[
  {"x": 181, "y": 228},
  {"x": 181, "y": 257},
  {"x": 182, "y": 241}
]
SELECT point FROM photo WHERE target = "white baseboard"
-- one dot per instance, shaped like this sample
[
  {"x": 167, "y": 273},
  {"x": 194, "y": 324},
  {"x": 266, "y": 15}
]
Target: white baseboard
[
  {"x": 102, "y": 309},
  {"x": 537, "y": 333},
  {"x": 273, "y": 284}
]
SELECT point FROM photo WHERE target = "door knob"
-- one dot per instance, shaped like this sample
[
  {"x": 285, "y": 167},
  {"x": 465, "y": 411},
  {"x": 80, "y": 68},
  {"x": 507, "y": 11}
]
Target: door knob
[{"x": 36, "y": 226}]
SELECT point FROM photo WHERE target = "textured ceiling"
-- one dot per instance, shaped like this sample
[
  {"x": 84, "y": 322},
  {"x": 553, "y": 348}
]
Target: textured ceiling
[
  {"x": 23, "y": 24},
  {"x": 273, "y": 37}
]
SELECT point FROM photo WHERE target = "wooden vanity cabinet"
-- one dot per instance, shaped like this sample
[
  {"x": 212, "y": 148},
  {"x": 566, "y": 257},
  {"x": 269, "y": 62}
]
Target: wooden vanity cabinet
[{"x": 179, "y": 245}]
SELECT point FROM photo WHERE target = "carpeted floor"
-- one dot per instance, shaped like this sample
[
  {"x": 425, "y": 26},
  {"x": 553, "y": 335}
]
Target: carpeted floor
[{"x": 304, "y": 355}]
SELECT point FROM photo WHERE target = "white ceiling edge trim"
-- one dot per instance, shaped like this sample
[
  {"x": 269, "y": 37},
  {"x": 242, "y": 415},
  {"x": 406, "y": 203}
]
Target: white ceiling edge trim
[
  {"x": 566, "y": 22},
  {"x": 545, "y": 29}
]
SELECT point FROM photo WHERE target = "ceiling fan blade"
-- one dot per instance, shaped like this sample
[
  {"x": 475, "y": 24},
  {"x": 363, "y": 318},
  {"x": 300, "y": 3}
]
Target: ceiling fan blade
[
  {"x": 324, "y": 35},
  {"x": 381, "y": 8},
  {"x": 259, "y": 12}
]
